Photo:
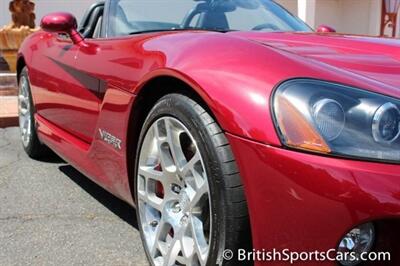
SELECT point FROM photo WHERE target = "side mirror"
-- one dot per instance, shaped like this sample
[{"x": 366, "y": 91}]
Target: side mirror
[
  {"x": 325, "y": 29},
  {"x": 62, "y": 22}
]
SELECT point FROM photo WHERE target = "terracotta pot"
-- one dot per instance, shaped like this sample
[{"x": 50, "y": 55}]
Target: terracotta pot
[
  {"x": 12, "y": 38},
  {"x": 10, "y": 41}
]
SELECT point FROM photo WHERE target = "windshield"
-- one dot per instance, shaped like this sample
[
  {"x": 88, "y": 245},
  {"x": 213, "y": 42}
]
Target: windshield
[{"x": 138, "y": 16}]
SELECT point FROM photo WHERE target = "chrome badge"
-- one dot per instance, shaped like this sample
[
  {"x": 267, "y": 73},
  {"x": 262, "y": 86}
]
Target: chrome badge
[{"x": 110, "y": 139}]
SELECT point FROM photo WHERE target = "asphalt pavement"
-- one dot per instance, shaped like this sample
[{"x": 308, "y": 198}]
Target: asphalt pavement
[{"x": 50, "y": 214}]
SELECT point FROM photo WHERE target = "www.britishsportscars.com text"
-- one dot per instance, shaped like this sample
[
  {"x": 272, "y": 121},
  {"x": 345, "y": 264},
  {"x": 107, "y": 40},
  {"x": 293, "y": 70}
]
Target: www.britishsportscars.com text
[{"x": 292, "y": 257}]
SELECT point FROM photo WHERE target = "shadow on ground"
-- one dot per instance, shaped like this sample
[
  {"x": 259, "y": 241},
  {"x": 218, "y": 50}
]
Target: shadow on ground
[
  {"x": 51, "y": 157},
  {"x": 114, "y": 204}
]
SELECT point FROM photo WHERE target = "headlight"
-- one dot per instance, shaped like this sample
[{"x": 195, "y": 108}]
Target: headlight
[
  {"x": 358, "y": 241},
  {"x": 328, "y": 118}
]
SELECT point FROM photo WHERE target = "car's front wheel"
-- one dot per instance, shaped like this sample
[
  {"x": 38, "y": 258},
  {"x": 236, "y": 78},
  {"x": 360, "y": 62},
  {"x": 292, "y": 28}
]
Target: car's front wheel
[{"x": 189, "y": 196}]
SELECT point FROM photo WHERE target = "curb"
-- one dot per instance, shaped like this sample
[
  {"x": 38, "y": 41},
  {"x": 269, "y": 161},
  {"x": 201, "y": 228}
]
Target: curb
[
  {"x": 11, "y": 121},
  {"x": 8, "y": 92},
  {"x": 8, "y": 81}
]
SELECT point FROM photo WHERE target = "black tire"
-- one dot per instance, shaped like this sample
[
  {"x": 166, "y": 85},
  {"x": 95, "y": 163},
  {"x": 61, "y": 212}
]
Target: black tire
[
  {"x": 33, "y": 147},
  {"x": 230, "y": 219}
]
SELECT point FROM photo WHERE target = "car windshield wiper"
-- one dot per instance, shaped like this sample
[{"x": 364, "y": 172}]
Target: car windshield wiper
[{"x": 179, "y": 29}]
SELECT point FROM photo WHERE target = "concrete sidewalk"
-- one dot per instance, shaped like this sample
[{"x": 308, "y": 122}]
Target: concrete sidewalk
[{"x": 8, "y": 100}]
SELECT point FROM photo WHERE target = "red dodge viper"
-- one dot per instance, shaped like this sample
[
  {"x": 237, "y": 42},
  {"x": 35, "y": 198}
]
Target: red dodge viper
[{"x": 239, "y": 134}]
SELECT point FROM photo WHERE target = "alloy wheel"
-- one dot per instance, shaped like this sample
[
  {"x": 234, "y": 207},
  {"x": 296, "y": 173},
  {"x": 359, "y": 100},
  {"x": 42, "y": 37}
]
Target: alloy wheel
[
  {"x": 24, "y": 110},
  {"x": 173, "y": 196}
]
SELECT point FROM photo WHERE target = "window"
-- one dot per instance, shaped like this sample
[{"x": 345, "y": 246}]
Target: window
[{"x": 137, "y": 16}]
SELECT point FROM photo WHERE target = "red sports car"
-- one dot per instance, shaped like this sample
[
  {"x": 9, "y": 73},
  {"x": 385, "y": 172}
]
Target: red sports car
[{"x": 238, "y": 133}]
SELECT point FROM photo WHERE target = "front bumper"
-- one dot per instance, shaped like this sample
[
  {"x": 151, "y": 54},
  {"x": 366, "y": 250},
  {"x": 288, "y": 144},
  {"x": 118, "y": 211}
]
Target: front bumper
[{"x": 305, "y": 202}]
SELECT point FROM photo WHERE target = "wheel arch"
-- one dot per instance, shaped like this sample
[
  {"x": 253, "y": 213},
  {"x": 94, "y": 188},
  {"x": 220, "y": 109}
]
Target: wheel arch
[
  {"x": 147, "y": 95},
  {"x": 20, "y": 65}
]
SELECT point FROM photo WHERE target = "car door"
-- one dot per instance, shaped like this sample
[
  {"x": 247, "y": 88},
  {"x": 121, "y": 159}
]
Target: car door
[
  {"x": 64, "y": 96},
  {"x": 81, "y": 101}
]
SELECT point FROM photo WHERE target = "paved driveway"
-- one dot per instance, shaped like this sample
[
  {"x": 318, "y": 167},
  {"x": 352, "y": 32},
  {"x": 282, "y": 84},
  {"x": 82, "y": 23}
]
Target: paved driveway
[{"x": 50, "y": 214}]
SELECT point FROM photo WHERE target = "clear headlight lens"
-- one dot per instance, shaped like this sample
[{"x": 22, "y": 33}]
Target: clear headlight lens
[
  {"x": 334, "y": 119},
  {"x": 329, "y": 117},
  {"x": 385, "y": 124}
]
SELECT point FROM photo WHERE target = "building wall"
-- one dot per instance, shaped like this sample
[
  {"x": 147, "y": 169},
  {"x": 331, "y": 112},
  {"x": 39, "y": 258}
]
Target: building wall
[
  {"x": 346, "y": 16},
  {"x": 290, "y": 5},
  {"x": 361, "y": 16},
  {"x": 328, "y": 12},
  {"x": 306, "y": 11},
  {"x": 43, "y": 7}
]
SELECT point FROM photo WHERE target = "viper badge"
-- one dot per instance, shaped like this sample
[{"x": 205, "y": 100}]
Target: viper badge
[{"x": 110, "y": 139}]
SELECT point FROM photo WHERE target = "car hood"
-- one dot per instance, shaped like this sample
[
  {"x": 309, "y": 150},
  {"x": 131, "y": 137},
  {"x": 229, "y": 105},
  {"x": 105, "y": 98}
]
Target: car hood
[{"x": 374, "y": 58}]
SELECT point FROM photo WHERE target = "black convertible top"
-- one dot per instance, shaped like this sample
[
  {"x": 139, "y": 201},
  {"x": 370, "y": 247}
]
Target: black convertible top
[{"x": 88, "y": 23}]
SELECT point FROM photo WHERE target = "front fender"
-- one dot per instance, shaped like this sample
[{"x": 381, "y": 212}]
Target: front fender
[
  {"x": 236, "y": 83},
  {"x": 234, "y": 76}
]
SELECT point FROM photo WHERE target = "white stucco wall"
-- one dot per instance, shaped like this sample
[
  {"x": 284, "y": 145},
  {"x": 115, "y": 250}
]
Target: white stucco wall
[
  {"x": 329, "y": 12},
  {"x": 346, "y": 16},
  {"x": 354, "y": 16},
  {"x": 76, "y": 7},
  {"x": 306, "y": 11}
]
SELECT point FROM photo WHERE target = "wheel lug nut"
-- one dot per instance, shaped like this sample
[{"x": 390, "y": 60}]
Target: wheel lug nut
[
  {"x": 184, "y": 219},
  {"x": 175, "y": 188},
  {"x": 154, "y": 223},
  {"x": 176, "y": 208}
]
